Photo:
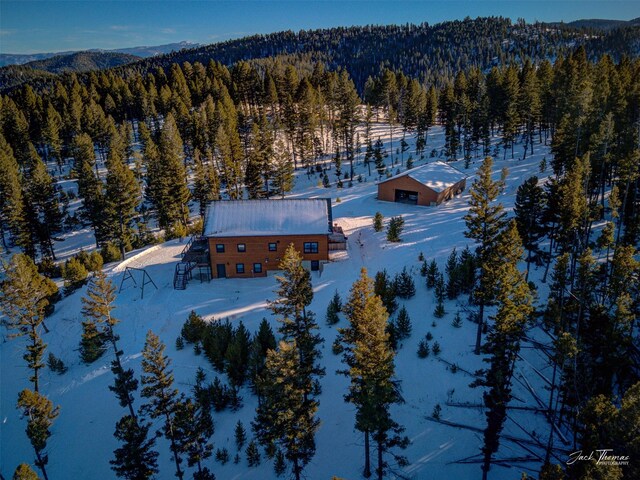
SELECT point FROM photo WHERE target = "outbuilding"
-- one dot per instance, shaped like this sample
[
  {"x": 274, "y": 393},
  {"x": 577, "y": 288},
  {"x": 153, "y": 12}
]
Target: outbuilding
[{"x": 429, "y": 184}]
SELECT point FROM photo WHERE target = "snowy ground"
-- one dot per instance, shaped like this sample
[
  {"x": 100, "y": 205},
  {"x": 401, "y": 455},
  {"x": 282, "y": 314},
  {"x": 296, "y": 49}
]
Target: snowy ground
[{"x": 82, "y": 441}]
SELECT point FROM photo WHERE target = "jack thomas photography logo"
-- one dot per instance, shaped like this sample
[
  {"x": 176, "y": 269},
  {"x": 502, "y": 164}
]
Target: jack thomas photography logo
[{"x": 604, "y": 456}]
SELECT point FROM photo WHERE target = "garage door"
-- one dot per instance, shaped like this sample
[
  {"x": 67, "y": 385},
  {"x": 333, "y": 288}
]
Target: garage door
[{"x": 406, "y": 196}]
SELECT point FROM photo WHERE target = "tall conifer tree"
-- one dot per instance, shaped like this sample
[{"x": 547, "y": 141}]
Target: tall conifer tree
[
  {"x": 484, "y": 222},
  {"x": 24, "y": 296},
  {"x": 503, "y": 344},
  {"x": 370, "y": 361},
  {"x": 295, "y": 294},
  {"x": 122, "y": 196},
  {"x": 158, "y": 388},
  {"x": 40, "y": 413},
  {"x": 286, "y": 418},
  {"x": 135, "y": 459}
]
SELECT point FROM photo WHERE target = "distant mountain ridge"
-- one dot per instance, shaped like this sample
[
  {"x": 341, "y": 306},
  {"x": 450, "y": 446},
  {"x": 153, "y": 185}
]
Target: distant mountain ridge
[
  {"x": 78, "y": 62},
  {"x": 599, "y": 23},
  {"x": 81, "y": 62},
  {"x": 141, "y": 51}
]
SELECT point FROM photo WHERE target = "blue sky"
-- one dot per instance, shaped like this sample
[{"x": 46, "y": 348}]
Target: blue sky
[{"x": 53, "y": 25}]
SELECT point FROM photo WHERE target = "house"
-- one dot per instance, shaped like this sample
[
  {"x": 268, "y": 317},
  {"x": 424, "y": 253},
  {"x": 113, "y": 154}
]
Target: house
[
  {"x": 429, "y": 184},
  {"x": 246, "y": 238}
]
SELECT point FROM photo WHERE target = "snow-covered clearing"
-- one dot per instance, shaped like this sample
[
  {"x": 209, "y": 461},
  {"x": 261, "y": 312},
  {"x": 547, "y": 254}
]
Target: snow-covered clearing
[{"x": 82, "y": 441}]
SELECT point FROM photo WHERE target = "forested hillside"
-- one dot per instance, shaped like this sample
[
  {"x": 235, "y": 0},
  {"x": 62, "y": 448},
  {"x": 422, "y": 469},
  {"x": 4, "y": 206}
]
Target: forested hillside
[
  {"x": 143, "y": 143},
  {"x": 74, "y": 62},
  {"x": 426, "y": 52}
]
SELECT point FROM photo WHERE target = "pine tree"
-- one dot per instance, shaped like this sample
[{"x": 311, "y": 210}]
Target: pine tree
[
  {"x": 172, "y": 193},
  {"x": 503, "y": 343},
  {"x": 90, "y": 187},
  {"x": 368, "y": 154},
  {"x": 240, "y": 435},
  {"x": 92, "y": 342},
  {"x": 253, "y": 454},
  {"x": 279, "y": 465},
  {"x": 378, "y": 157},
  {"x": 348, "y": 118},
  {"x": 394, "y": 229},
  {"x": 158, "y": 388},
  {"x": 25, "y": 472},
  {"x": 423, "y": 349},
  {"x": 40, "y": 413},
  {"x": 222, "y": 456},
  {"x": 42, "y": 206},
  {"x": 466, "y": 271},
  {"x": 528, "y": 210},
  {"x": 194, "y": 327},
  {"x": 510, "y": 113},
  {"x": 24, "y": 298},
  {"x": 97, "y": 306},
  {"x": 529, "y": 105},
  {"x": 424, "y": 268},
  {"x": 286, "y": 417},
  {"x": 337, "y": 161},
  {"x": 12, "y": 218},
  {"x": 453, "y": 282},
  {"x": 295, "y": 293},
  {"x": 193, "y": 427},
  {"x": 484, "y": 222},
  {"x": 573, "y": 210},
  {"x": 237, "y": 356},
  {"x": 334, "y": 307},
  {"x": 377, "y": 222},
  {"x": 253, "y": 178},
  {"x": 55, "y": 364},
  {"x": 122, "y": 197},
  {"x": 403, "y": 324},
  {"x": 370, "y": 367},
  {"x": 206, "y": 185},
  {"x": 404, "y": 285},
  {"x": 385, "y": 289},
  {"x": 74, "y": 274},
  {"x": 51, "y": 135},
  {"x": 262, "y": 342},
  {"x": 283, "y": 178},
  {"x": 432, "y": 274},
  {"x": 448, "y": 108},
  {"x": 135, "y": 459}
]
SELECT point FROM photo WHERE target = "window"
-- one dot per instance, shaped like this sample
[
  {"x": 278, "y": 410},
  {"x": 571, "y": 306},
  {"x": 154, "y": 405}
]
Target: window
[
  {"x": 273, "y": 247},
  {"x": 239, "y": 267},
  {"x": 242, "y": 247},
  {"x": 257, "y": 268},
  {"x": 310, "y": 247},
  {"x": 219, "y": 247}
]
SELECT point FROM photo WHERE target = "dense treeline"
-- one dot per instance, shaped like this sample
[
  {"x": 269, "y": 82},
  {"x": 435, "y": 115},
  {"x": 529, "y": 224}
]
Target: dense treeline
[{"x": 242, "y": 128}]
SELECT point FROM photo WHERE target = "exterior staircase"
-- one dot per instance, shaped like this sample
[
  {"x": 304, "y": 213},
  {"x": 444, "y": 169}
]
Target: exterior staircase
[{"x": 194, "y": 255}]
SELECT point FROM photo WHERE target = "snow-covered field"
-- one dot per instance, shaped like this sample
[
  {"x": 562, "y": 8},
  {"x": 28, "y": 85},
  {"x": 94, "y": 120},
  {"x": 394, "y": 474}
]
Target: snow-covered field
[{"x": 82, "y": 443}]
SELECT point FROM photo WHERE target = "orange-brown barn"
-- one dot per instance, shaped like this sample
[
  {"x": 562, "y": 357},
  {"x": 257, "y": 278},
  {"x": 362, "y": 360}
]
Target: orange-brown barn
[
  {"x": 429, "y": 184},
  {"x": 249, "y": 237}
]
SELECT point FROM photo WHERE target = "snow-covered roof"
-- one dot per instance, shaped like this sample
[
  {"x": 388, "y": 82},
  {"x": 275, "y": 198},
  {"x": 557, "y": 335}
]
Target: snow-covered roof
[
  {"x": 438, "y": 176},
  {"x": 300, "y": 216}
]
